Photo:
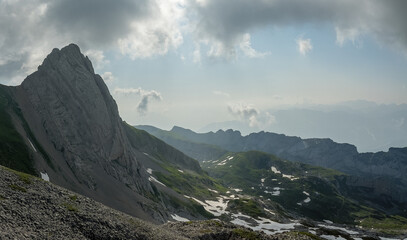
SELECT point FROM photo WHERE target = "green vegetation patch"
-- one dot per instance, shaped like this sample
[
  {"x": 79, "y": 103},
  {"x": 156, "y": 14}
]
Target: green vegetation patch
[
  {"x": 13, "y": 150},
  {"x": 17, "y": 188},
  {"x": 189, "y": 183},
  {"x": 70, "y": 207},
  {"x": 73, "y": 197},
  {"x": 388, "y": 224},
  {"x": 308, "y": 234},
  {"x": 191, "y": 206},
  {"x": 247, "y": 206},
  {"x": 24, "y": 177}
]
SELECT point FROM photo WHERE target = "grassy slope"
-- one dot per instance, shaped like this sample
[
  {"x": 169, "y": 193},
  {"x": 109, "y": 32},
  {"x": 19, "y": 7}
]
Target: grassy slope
[
  {"x": 191, "y": 180},
  {"x": 246, "y": 170},
  {"x": 13, "y": 151},
  {"x": 199, "y": 151}
]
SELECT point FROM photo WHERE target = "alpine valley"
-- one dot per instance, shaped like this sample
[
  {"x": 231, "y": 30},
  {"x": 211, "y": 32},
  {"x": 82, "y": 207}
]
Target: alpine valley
[{"x": 72, "y": 168}]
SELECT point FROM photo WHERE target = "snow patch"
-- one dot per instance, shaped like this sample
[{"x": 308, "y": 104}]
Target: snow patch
[
  {"x": 291, "y": 177},
  {"x": 149, "y": 170},
  {"x": 44, "y": 176},
  {"x": 35, "y": 150},
  {"x": 338, "y": 228},
  {"x": 269, "y": 211},
  {"x": 307, "y": 200},
  {"x": 274, "y": 170},
  {"x": 262, "y": 180},
  {"x": 305, "y": 193},
  {"x": 225, "y": 161},
  {"x": 178, "y": 218},
  {"x": 213, "y": 190},
  {"x": 264, "y": 224},
  {"x": 179, "y": 170},
  {"x": 153, "y": 179},
  {"x": 330, "y": 237}
]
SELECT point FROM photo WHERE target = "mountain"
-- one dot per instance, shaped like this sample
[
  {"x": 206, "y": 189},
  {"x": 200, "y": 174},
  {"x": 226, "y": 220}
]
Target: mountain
[
  {"x": 301, "y": 189},
  {"x": 369, "y": 126},
  {"x": 382, "y": 172},
  {"x": 62, "y": 123}
]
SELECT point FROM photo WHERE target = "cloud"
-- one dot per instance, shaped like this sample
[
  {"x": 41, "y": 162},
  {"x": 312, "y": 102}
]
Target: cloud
[
  {"x": 108, "y": 77},
  {"x": 250, "y": 114},
  {"x": 304, "y": 46},
  {"x": 245, "y": 112},
  {"x": 97, "y": 57},
  {"x": 246, "y": 47},
  {"x": 220, "y": 93},
  {"x": 222, "y": 24},
  {"x": 146, "y": 97},
  {"x": 146, "y": 28},
  {"x": 138, "y": 29}
]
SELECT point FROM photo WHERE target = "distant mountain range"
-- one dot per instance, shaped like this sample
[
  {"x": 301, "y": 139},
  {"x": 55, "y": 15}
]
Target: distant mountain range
[
  {"x": 381, "y": 171},
  {"x": 369, "y": 126}
]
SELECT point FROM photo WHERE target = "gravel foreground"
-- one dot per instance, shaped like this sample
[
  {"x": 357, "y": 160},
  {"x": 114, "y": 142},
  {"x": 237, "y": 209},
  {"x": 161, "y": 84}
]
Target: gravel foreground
[{"x": 31, "y": 208}]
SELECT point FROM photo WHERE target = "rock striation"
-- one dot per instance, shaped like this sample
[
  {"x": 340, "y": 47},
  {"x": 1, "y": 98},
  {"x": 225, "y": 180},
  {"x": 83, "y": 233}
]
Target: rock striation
[{"x": 81, "y": 118}]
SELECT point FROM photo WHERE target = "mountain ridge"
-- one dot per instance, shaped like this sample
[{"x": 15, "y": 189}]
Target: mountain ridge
[
  {"x": 67, "y": 126},
  {"x": 319, "y": 152}
]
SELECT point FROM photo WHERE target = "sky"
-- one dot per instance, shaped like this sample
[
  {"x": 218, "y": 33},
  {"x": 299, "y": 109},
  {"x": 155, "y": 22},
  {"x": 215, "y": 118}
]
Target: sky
[{"x": 194, "y": 62}]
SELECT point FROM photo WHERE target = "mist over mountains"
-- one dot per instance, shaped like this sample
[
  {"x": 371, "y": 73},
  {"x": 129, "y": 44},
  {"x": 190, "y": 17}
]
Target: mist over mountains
[{"x": 369, "y": 126}]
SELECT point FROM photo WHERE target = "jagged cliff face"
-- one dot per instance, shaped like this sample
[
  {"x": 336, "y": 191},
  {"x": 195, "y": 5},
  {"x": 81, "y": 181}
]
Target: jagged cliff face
[{"x": 81, "y": 119}]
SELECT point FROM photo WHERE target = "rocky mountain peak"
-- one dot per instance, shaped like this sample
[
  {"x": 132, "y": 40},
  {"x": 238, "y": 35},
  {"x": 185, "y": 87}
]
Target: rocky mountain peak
[
  {"x": 71, "y": 55},
  {"x": 77, "y": 115}
]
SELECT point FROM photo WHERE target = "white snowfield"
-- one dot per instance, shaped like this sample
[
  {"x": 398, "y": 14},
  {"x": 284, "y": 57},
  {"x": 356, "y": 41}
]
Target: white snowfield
[
  {"x": 179, "y": 218},
  {"x": 225, "y": 161},
  {"x": 35, "y": 150},
  {"x": 262, "y": 224},
  {"x": 44, "y": 176},
  {"x": 276, "y": 171},
  {"x": 218, "y": 207},
  {"x": 149, "y": 170},
  {"x": 153, "y": 179},
  {"x": 214, "y": 191},
  {"x": 276, "y": 192}
]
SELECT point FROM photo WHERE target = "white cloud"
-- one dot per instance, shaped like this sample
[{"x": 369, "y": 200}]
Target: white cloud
[
  {"x": 156, "y": 34},
  {"x": 251, "y": 115},
  {"x": 108, "y": 77},
  {"x": 304, "y": 46},
  {"x": 196, "y": 55},
  {"x": 220, "y": 93},
  {"x": 146, "y": 97},
  {"x": 97, "y": 57},
  {"x": 139, "y": 29},
  {"x": 246, "y": 47},
  {"x": 245, "y": 112},
  {"x": 223, "y": 23}
]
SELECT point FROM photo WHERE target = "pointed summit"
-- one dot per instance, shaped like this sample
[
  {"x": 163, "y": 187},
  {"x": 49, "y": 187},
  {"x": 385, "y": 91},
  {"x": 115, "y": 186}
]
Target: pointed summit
[{"x": 68, "y": 56}]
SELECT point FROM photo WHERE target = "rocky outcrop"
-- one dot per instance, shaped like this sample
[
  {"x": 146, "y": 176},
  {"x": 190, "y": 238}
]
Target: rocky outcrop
[{"x": 81, "y": 119}]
